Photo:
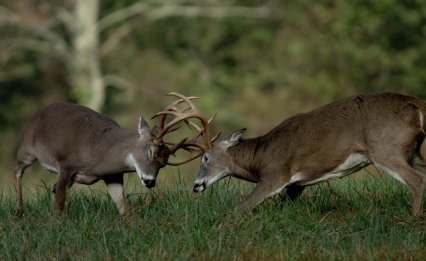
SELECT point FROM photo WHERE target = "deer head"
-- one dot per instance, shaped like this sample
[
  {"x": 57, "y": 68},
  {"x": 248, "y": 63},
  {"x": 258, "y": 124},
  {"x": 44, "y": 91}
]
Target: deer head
[
  {"x": 216, "y": 162},
  {"x": 153, "y": 152},
  {"x": 149, "y": 155}
]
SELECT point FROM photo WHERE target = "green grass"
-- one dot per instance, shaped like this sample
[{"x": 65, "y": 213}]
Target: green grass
[{"x": 367, "y": 218}]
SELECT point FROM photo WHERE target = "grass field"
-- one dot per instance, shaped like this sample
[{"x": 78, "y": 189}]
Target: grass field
[{"x": 357, "y": 218}]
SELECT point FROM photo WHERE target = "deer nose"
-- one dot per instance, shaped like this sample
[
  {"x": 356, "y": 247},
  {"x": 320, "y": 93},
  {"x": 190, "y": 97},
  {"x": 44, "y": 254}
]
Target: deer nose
[
  {"x": 149, "y": 183},
  {"x": 199, "y": 187}
]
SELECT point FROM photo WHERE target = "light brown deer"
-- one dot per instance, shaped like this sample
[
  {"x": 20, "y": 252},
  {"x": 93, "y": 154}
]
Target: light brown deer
[
  {"x": 333, "y": 141},
  {"x": 84, "y": 146}
]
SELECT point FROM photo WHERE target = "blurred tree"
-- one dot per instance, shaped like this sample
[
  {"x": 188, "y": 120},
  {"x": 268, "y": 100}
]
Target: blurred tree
[
  {"x": 254, "y": 72},
  {"x": 71, "y": 31}
]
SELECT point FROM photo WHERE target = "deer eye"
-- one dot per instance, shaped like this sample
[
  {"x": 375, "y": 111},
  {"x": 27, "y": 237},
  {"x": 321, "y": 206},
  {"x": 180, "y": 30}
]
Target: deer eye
[{"x": 205, "y": 159}]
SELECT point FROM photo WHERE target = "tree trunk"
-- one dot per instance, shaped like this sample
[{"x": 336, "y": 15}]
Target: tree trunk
[{"x": 88, "y": 86}]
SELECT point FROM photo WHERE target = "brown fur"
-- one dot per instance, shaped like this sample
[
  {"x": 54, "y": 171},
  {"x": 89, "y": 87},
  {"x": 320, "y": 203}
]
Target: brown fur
[
  {"x": 384, "y": 128},
  {"x": 84, "y": 146}
]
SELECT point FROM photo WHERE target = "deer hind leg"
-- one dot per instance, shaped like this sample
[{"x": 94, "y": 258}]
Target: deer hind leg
[
  {"x": 115, "y": 188},
  {"x": 417, "y": 160},
  {"x": 410, "y": 176},
  {"x": 418, "y": 163},
  {"x": 64, "y": 180},
  {"x": 263, "y": 190},
  {"x": 20, "y": 167}
]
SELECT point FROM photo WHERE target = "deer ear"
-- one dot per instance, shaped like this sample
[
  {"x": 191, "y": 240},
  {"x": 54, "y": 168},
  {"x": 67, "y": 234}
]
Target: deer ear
[
  {"x": 233, "y": 139},
  {"x": 143, "y": 127}
]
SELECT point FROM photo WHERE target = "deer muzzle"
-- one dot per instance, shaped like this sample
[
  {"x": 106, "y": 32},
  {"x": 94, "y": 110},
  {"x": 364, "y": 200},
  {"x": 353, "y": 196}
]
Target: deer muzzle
[
  {"x": 199, "y": 187},
  {"x": 149, "y": 183}
]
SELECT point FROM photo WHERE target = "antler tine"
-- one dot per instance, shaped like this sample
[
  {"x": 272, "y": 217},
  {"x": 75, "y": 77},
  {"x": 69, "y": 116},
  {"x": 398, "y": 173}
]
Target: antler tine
[
  {"x": 181, "y": 117},
  {"x": 216, "y": 137},
  {"x": 185, "y": 161},
  {"x": 220, "y": 132},
  {"x": 186, "y": 145},
  {"x": 190, "y": 145},
  {"x": 186, "y": 99},
  {"x": 182, "y": 99},
  {"x": 193, "y": 125},
  {"x": 212, "y": 117},
  {"x": 177, "y": 146},
  {"x": 173, "y": 107},
  {"x": 184, "y": 114},
  {"x": 164, "y": 115},
  {"x": 204, "y": 129},
  {"x": 200, "y": 130},
  {"x": 165, "y": 129}
]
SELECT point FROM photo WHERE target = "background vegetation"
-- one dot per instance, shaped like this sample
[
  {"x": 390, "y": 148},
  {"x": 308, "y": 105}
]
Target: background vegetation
[{"x": 255, "y": 69}]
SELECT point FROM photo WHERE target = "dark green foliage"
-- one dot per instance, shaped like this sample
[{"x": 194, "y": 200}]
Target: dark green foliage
[{"x": 254, "y": 72}]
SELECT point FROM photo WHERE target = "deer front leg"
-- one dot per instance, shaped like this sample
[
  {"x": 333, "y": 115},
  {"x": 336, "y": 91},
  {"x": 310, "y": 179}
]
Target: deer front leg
[
  {"x": 115, "y": 188},
  {"x": 54, "y": 187},
  {"x": 263, "y": 190},
  {"x": 62, "y": 184}
]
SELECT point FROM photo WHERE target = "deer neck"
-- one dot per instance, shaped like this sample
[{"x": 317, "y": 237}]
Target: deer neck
[
  {"x": 246, "y": 160},
  {"x": 120, "y": 143}
]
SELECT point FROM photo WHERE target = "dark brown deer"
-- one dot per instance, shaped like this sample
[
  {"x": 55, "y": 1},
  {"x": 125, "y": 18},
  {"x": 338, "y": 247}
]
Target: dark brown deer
[
  {"x": 333, "y": 141},
  {"x": 84, "y": 146}
]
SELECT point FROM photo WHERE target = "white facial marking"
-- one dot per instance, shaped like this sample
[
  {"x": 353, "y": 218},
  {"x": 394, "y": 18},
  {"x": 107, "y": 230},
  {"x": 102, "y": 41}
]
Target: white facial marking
[
  {"x": 131, "y": 162},
  {"x": 353, "y": 163},
  {"x": 199, "y": 181},
  {"x": 218, "y": 177},
  {"x": 391, "y": 173},
  {"x": 421, "y": 121}
]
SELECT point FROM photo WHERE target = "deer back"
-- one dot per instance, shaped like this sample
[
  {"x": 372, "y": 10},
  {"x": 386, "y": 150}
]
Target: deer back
[{"x": 75, "y": 136}]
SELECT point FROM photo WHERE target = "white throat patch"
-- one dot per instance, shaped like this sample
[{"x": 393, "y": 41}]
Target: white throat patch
[
  {"x": 131, "y": 162},
  {"x": 218, "y": 177}
]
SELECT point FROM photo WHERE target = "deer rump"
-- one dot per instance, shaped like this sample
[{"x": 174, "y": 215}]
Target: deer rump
[{"x": 343, "y": 137}]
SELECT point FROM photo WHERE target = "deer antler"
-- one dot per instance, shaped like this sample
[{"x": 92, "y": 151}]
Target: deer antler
[{"x": 183, "y": 115}]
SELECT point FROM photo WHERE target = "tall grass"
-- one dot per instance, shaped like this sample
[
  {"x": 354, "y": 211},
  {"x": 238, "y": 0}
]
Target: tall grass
[{"x": 365, "y": 218}]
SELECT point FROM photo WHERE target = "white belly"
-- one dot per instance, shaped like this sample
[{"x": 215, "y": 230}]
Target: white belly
[
  {"x": 85, "y": 179},
  {"x": 50, "y": 168},
  {"x": 353, "y": 163}
]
